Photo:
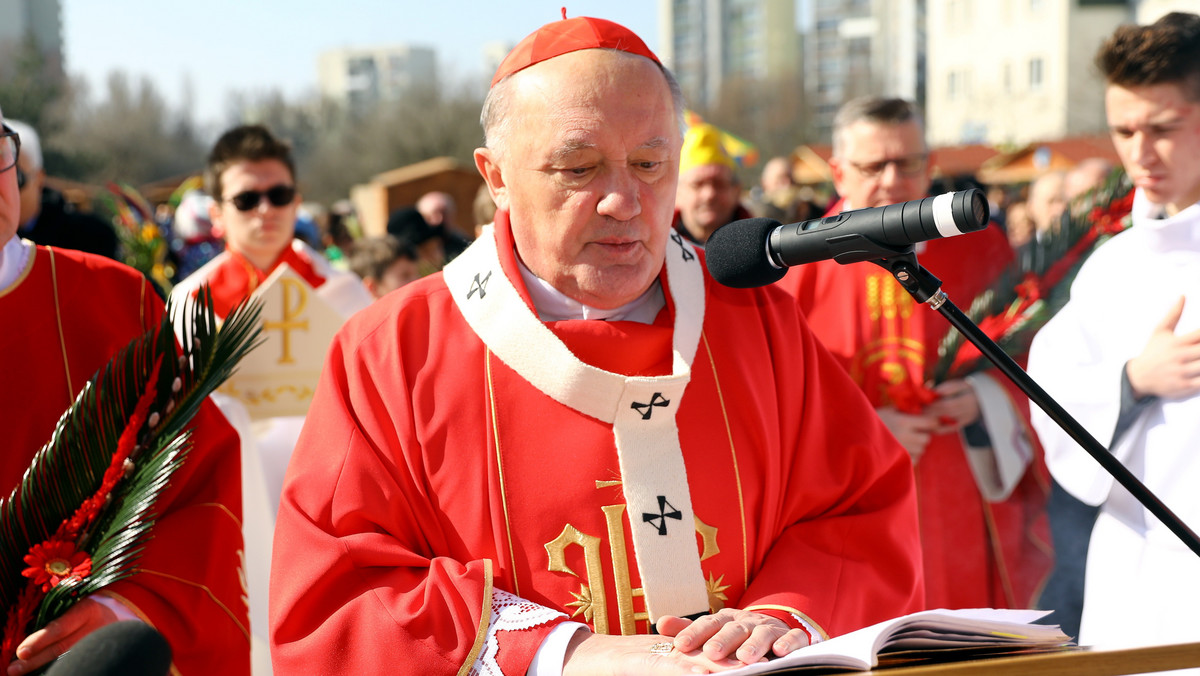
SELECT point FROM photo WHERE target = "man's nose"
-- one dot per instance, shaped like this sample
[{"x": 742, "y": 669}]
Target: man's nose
[
  {"x": 1141, "y": 149},
  {"x": 621, "y": 200}
]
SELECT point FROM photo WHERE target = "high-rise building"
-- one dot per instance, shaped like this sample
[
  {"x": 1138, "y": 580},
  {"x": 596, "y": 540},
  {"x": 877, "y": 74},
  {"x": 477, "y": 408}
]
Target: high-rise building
[
  {"x": 860, "y": 48},
  {"x": 360, "y": 77},
  {"x": 707, "y": 43},
  {"x": 39, "y": 20}
]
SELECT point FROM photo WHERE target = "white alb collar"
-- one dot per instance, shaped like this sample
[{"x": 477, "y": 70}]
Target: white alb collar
[
  {"x": 553, "y": 305},
  {"x": 13, "y": 257}
]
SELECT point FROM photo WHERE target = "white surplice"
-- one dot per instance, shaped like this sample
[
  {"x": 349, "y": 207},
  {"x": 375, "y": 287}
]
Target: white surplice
[{"x": 1143, "y": 583}]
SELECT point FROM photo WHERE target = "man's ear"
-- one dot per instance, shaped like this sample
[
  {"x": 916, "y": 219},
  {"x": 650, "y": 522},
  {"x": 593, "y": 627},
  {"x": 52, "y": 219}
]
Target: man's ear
[
  {"x": 217, "y": 219},
  {"x": 371, "y": 285},
  {"x": 837, "y": 171},
  {"x": 489, "y": 169}
]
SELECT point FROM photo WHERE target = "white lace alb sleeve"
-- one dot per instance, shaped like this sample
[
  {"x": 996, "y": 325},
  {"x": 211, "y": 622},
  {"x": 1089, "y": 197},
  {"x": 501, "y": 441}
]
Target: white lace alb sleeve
[{"x": 509, "y": 612}]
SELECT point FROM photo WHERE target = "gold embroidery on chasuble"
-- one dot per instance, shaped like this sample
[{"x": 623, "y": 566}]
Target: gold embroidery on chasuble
[
  {"x": 592, "y": 554},
  {"x": 891, "y": 352},
  {"x": 591, "y": 601}
]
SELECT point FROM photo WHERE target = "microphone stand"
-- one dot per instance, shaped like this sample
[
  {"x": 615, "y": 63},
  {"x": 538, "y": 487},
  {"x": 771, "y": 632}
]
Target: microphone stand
[{"x": 926, "y": 288}]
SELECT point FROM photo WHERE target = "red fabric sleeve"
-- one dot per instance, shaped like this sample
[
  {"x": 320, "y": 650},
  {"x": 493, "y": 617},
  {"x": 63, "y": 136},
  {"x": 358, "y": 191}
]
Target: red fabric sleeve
[{"x": 353, "y": 582}]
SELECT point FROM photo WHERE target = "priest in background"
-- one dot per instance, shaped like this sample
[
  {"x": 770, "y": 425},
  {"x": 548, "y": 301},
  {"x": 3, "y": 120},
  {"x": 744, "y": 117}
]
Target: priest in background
[
  {"x": 709, "y": 193},
  {"x": 980, "y": 481},
  {"x": 572, "y": 436},
  {"x": 65, "y": 313}
]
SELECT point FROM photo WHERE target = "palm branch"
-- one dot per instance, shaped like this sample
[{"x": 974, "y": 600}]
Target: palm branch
[
  {"x": 1029, "y": 293},
  {"x": 112, "y": 455}
]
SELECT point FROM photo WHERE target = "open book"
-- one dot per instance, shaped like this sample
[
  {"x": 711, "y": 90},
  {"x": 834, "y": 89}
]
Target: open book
[{"x": 927, "y": 636}]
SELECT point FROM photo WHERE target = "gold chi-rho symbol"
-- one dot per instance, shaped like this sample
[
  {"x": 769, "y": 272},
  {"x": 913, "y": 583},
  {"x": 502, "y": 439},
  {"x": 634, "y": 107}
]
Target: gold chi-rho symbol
[{"x": 291, "y": 312}]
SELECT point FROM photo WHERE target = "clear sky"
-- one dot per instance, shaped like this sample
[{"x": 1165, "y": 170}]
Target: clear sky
[{"x": 219, "y": 46}]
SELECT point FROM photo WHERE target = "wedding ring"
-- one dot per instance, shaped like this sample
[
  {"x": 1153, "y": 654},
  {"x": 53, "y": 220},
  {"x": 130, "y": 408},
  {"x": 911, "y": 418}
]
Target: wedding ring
[{"x": 661, "y": 648}]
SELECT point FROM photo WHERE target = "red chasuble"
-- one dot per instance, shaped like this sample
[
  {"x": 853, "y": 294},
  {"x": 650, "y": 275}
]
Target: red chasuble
[
  {"x": 64, "y": 318},
  {"x": 977, "y": 553},
  {"x": 429, "y": 474}
]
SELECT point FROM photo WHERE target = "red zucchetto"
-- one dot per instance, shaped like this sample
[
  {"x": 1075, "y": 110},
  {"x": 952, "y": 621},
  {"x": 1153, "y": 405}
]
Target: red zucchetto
[{"x": 571, "y": 35}]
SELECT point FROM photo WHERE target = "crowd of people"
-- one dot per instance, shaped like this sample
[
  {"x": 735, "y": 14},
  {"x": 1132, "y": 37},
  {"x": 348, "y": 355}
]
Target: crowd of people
[{"x": 499, "y": 471}]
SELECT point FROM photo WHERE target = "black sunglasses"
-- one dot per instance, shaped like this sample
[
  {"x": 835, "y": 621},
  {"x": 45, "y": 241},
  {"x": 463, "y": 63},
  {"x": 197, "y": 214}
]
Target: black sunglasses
[{"x": 280, "y": 196}]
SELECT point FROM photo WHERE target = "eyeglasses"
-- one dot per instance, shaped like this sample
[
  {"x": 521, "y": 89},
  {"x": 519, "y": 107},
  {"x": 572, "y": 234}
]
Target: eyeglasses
[
  {"x": 10, "y": 148},
  {"x": 280, "y": 196},
  {"x": 21, "y": 178},
  {"x": 906, "y": 166}
]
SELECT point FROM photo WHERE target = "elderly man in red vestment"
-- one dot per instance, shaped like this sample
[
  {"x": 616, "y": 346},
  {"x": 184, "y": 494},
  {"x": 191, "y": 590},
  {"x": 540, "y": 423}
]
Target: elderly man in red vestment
[
  {"x": 980, "y": 478},
  {"x": 571, "y": 436},
  {"x": 56, "y": 336}
]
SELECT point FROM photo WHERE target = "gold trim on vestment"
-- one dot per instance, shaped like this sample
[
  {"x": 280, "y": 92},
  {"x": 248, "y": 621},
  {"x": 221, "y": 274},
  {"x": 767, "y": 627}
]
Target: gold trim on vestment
[
  {"x": 485, "y": 621},
  {"x": 737, "y": 477},
  {"x": 202, "y": 587},
  {"x": 804, "y": 616},
  {"x": 62, "y": 338},
  {"x": 251, "y": 274},
  {"x": 24, "y": 272},
  {"x": 512, "y": 556},
  {"x": 228, "y": 512}
]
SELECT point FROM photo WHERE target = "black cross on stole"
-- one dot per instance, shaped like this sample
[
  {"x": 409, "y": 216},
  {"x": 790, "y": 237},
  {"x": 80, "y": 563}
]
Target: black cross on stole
[{"x": 662, "y": 516}]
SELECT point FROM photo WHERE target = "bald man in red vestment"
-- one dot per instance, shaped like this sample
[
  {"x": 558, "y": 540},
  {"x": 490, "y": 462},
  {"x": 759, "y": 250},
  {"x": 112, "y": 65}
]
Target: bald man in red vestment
[
  {"x": 981, "y": 481},
  {"x": 572, "y": 436},
  {"x": 56, "y": 336}
]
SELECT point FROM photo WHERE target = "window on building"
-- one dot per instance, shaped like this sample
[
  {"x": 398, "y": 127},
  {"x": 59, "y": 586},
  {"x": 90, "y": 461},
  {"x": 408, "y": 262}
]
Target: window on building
[{"x": 1035, "y": 75}]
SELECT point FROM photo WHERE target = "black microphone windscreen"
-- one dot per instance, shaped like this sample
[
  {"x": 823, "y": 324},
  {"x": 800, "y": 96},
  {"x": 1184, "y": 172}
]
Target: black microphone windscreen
[
  {"x": 736, "y": 254},
  {"x": 129, "y": 648}
]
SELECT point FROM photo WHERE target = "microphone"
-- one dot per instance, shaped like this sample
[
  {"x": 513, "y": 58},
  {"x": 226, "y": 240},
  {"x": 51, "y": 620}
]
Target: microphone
[
  {"x": 129, "y": 648},
  {"x": 757, "y": 251}
]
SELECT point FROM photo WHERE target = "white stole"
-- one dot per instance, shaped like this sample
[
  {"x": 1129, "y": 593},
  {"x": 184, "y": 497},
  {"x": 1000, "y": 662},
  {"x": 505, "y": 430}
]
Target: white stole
[{"x": 640, "y": 409}]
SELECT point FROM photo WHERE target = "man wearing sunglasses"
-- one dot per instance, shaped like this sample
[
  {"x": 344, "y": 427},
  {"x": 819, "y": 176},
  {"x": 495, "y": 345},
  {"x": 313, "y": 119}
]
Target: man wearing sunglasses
[
  {"x": 46, "y": 217},
  {"x": 65, "y": 313},
  {"x": 980, "y": 493},
  {"x": 252, "y": 180}
]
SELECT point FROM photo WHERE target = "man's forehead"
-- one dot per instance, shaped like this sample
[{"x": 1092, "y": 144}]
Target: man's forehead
[{"x": 869, "y": 135}]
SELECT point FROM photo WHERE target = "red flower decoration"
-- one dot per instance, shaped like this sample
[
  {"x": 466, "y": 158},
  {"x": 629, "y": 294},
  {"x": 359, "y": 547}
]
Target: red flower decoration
[
  {"x": 909, "y": 397},
  {"x": 54, "y": 561}
]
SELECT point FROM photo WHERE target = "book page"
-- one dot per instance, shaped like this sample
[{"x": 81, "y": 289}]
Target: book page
[{"x": 931, "y": 629}]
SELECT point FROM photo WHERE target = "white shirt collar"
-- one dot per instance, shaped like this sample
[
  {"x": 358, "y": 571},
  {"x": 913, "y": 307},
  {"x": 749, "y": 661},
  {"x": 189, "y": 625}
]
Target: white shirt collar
[
  {"x": 13, "y": 257},
  {"x": 553, "y": 305}
]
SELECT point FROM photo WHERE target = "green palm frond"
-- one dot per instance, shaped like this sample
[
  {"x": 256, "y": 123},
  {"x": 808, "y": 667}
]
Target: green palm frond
[
  {"x": 121, "y": 533},
  {"x": 70, "y": 468}
]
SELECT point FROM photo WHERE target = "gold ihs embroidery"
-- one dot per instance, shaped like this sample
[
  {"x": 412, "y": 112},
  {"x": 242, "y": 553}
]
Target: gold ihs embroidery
[
  {"x": 886, "y": 299},
  {"x": 591, "y": 600}
]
